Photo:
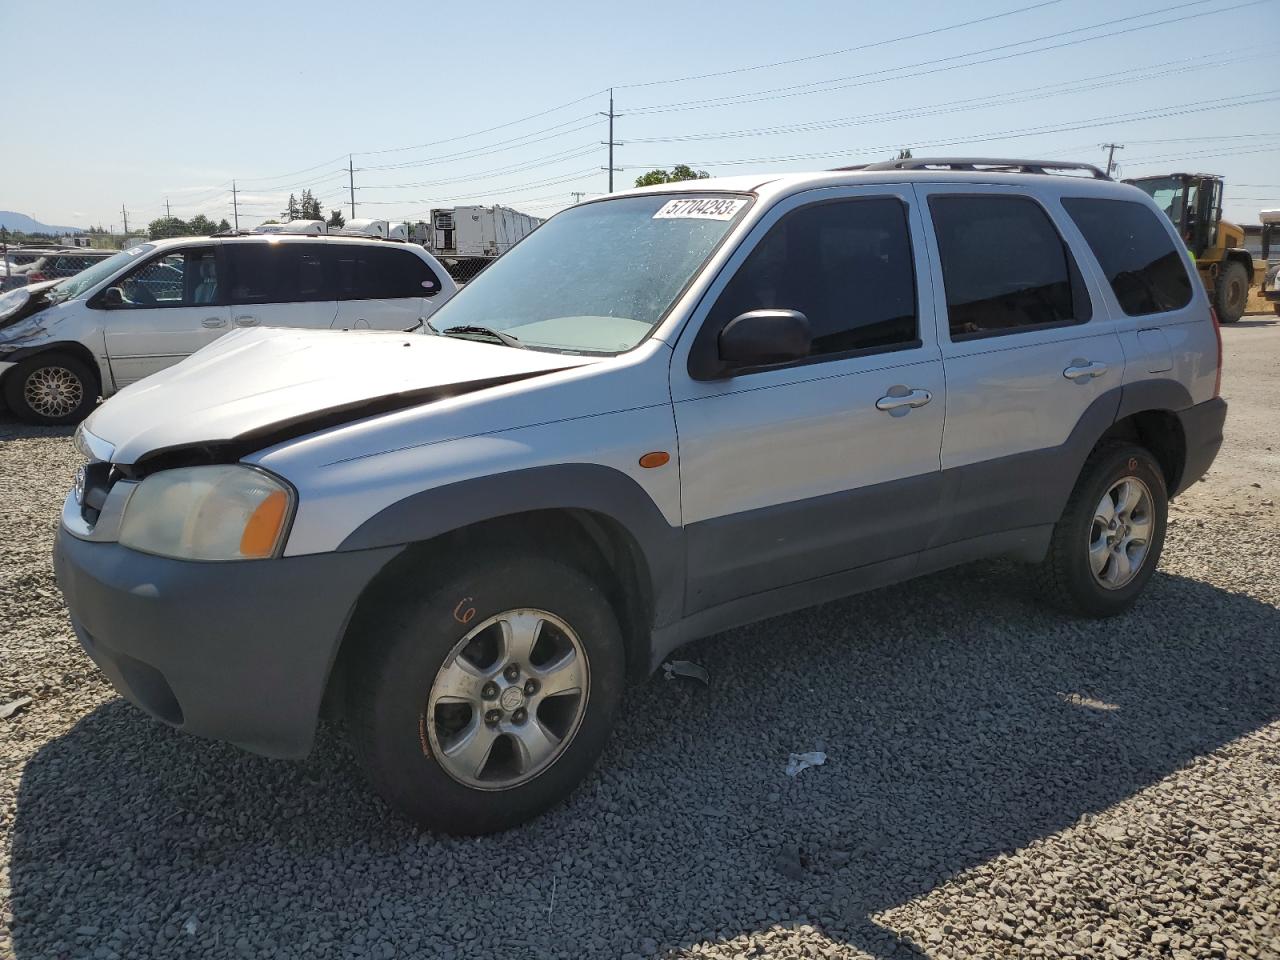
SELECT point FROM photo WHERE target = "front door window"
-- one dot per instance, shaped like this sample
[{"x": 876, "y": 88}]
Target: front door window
[{"x": 184, "y": 279}]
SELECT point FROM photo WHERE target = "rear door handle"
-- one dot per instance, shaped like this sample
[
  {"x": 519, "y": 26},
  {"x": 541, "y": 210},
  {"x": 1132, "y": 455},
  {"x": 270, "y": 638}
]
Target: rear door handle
[
  {"x": 903, "y": 400},
  {"x": 213, "y": 322},
  {"x": 246, "y": 321},
  {"x": 1085, "y": 369}
]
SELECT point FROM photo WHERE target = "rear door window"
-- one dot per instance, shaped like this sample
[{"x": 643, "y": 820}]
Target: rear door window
[
  {"x": 1147, "y": 273},
  {"x": 1005, "y": 267},
  {"x": 380, "y": 273},
  {"x": 277, "y": 273}
]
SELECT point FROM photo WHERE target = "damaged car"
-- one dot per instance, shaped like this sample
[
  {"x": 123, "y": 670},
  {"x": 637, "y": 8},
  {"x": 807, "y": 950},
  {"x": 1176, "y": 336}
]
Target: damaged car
[
  {"x": 663, "y": 414},
  {"x": 66, "y": 343}
]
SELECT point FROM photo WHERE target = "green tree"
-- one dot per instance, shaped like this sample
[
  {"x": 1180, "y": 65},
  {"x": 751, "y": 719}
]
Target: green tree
[
  {"x": 680, "y": 171},
  {"x": 223, "y": 226},
  {"x": 309, "y": 208},
  {"x": 201, "y": 226},
  {"x": 291, "y": 212},
  {"x": 904, "y": 154},
  {"x": 168, "y": 227},
  {"x": 336, "y": 220}
]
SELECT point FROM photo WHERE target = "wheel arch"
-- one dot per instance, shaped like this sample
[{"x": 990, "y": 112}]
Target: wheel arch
[
  {"x": 1241, "y": 256},
  {"x": 72, "y": 347},
  {"x": 1148, "y": 415},
  {"x": 594, "y": 518}
]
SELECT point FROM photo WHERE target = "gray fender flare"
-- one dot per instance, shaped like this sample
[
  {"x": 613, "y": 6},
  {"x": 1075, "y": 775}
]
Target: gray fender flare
[{"x": 571, "y": 486}]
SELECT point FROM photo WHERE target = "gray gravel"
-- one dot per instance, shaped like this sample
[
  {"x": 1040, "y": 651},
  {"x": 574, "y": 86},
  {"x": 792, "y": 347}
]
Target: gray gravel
[{"x": 1000, "y": 781}]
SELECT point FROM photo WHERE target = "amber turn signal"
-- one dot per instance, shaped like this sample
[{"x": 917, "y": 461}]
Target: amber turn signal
[
  {"x": 658, "y": 458},
  {"x": 263, "y": 529}
]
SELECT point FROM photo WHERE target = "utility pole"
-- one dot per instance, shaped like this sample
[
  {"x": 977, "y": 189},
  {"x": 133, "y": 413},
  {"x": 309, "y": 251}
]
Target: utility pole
[
  {"x": 167, "y": 214},
  {"x": 125, "y": 213},
  {"x": 351, "y": 181},
  {"x": 611, "y": 143},
  {"x": 235, "y": 206},
  {"x": 1111, "y": 149}
]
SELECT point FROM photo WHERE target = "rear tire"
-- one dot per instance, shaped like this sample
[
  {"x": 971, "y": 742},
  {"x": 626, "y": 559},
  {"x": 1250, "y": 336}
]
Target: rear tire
[
  {"x": 51, "y": 389},
  {"x": 448, "y": 733},
  {"x": 1231, "y": 292},
  {"x": 1104, "y": 549}
]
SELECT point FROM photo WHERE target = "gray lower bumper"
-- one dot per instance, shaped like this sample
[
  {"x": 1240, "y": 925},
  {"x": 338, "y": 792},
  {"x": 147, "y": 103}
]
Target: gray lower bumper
[
  {"x": 233, "y": 651},
  {"x": 1202, "y": 431}
]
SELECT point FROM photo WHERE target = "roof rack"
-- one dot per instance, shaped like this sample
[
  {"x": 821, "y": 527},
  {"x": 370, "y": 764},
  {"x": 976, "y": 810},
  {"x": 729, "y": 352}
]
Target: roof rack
[
  {"x": 310, "y": 236},
  {"x": 981, "y": 165}
]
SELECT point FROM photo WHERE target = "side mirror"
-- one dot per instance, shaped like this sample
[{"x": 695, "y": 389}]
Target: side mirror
[
  {"x": 112, "y": 298},
  {"x": 765, "y": 336}
]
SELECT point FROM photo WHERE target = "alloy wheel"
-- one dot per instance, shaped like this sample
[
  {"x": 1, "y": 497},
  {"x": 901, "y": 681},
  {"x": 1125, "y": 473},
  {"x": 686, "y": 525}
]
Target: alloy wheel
[
  {"x": 508, "y": 699},
  {"x": 1120, "y": 535},
  {"x": 53, "y": 392}
]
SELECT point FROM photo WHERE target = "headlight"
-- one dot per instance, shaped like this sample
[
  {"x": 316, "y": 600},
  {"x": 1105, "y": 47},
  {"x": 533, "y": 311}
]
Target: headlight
[{"x": 230, "y": 512}]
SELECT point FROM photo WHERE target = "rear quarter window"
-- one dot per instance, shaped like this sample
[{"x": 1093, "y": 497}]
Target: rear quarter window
[
  {"x": 1147, "y": 272},
  {"x": 381, "y": 273}
]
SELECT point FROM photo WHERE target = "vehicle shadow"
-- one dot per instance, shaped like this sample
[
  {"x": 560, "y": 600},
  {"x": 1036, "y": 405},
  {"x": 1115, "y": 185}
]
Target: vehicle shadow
[{"x": 961, "y": 721}]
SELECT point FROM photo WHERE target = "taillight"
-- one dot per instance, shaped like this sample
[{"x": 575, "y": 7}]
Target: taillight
[
  {"x": 1217, "y": 335},
  {"x": 35, "y": 276}
]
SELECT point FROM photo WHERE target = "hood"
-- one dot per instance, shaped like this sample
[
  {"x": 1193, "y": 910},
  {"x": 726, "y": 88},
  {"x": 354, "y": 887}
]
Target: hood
[
  {"x": 21, "y": 302},
  {"x": 254, "y": 388}
]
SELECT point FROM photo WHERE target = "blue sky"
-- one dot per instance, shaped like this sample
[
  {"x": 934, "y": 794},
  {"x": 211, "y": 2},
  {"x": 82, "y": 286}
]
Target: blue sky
[{"x": 130, "y": 104}]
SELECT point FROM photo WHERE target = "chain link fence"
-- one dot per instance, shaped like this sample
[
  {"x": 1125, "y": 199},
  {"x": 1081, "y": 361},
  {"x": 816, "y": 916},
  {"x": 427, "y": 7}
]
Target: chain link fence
[
  {"x": 20, "y": 266},
  {"x": 464, "y": 269}
]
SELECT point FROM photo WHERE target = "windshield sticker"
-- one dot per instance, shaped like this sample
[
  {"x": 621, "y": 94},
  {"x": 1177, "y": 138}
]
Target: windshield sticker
[{"x": 712, "y": 208}]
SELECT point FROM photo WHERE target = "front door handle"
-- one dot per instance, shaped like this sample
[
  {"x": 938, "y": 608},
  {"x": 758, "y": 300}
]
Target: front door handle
[
  {"x": 246, "y": 321},
  {"x": 1084, "y": 370},
  {"x": 899, "y": 400},
  {"x": 213, "y": 322}
]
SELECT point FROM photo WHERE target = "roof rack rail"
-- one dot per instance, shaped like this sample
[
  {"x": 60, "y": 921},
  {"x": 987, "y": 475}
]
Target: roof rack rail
[
  {"x": 981, "y": 165},
  {"x": 310, "y": 236}
]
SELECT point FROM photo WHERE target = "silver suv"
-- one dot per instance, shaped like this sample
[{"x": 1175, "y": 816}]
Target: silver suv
[{"x": 663, "y": 414}]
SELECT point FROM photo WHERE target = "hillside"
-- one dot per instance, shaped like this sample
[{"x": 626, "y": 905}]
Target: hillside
[{"x": 24, "y": 224}]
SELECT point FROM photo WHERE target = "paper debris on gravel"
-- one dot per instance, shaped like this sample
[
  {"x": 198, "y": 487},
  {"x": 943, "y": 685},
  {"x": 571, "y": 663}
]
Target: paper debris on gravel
[
  {"x": 684, "y": 668},
  {"x": 801, "y": 761},
  {"x": 12, "y": 707}
]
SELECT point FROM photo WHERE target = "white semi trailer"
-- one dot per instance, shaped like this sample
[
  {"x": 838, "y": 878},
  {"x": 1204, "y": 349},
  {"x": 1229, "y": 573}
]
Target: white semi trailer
[{"x": 468, "y": 238}]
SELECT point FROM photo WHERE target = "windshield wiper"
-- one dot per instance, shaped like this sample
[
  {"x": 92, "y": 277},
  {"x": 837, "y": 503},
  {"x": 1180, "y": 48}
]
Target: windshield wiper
[{"x": 470, "y": 329}]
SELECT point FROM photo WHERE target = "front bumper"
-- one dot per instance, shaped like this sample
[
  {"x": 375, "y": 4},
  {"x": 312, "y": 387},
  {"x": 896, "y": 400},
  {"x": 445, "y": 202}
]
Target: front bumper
[
  {"x": 1202, "y": 431},
  {"x": 237, "y": 651}
]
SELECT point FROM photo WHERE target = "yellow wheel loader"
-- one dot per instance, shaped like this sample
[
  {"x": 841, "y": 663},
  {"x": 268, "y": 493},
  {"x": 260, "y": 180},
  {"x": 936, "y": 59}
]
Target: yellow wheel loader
[{"x": 1193, "y": 202}]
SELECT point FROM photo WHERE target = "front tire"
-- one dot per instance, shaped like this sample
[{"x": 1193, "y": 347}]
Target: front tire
[
  {"x": 1107, "y": 543},
  {"x": 486, "y": 700},
  {"x": 1231, "y": 292},
  {"x": 51, "y": 389}
]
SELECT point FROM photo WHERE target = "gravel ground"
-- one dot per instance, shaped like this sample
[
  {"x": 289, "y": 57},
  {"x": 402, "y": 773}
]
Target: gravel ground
[{"x": 1001, "y": 781}]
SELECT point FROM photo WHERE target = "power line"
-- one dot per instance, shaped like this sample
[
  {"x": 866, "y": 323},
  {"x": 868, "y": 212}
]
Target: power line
[
  {"x": 500, "y": 146},
  {"x": 879, "y": 76},
  {"x": 1153, "y": 113},
  {"x": 476, "y": 133},
  {"x": 549, "y": 159},
  {"x": 836, "y": 53},
  {"x": 935, "y": 108}
]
